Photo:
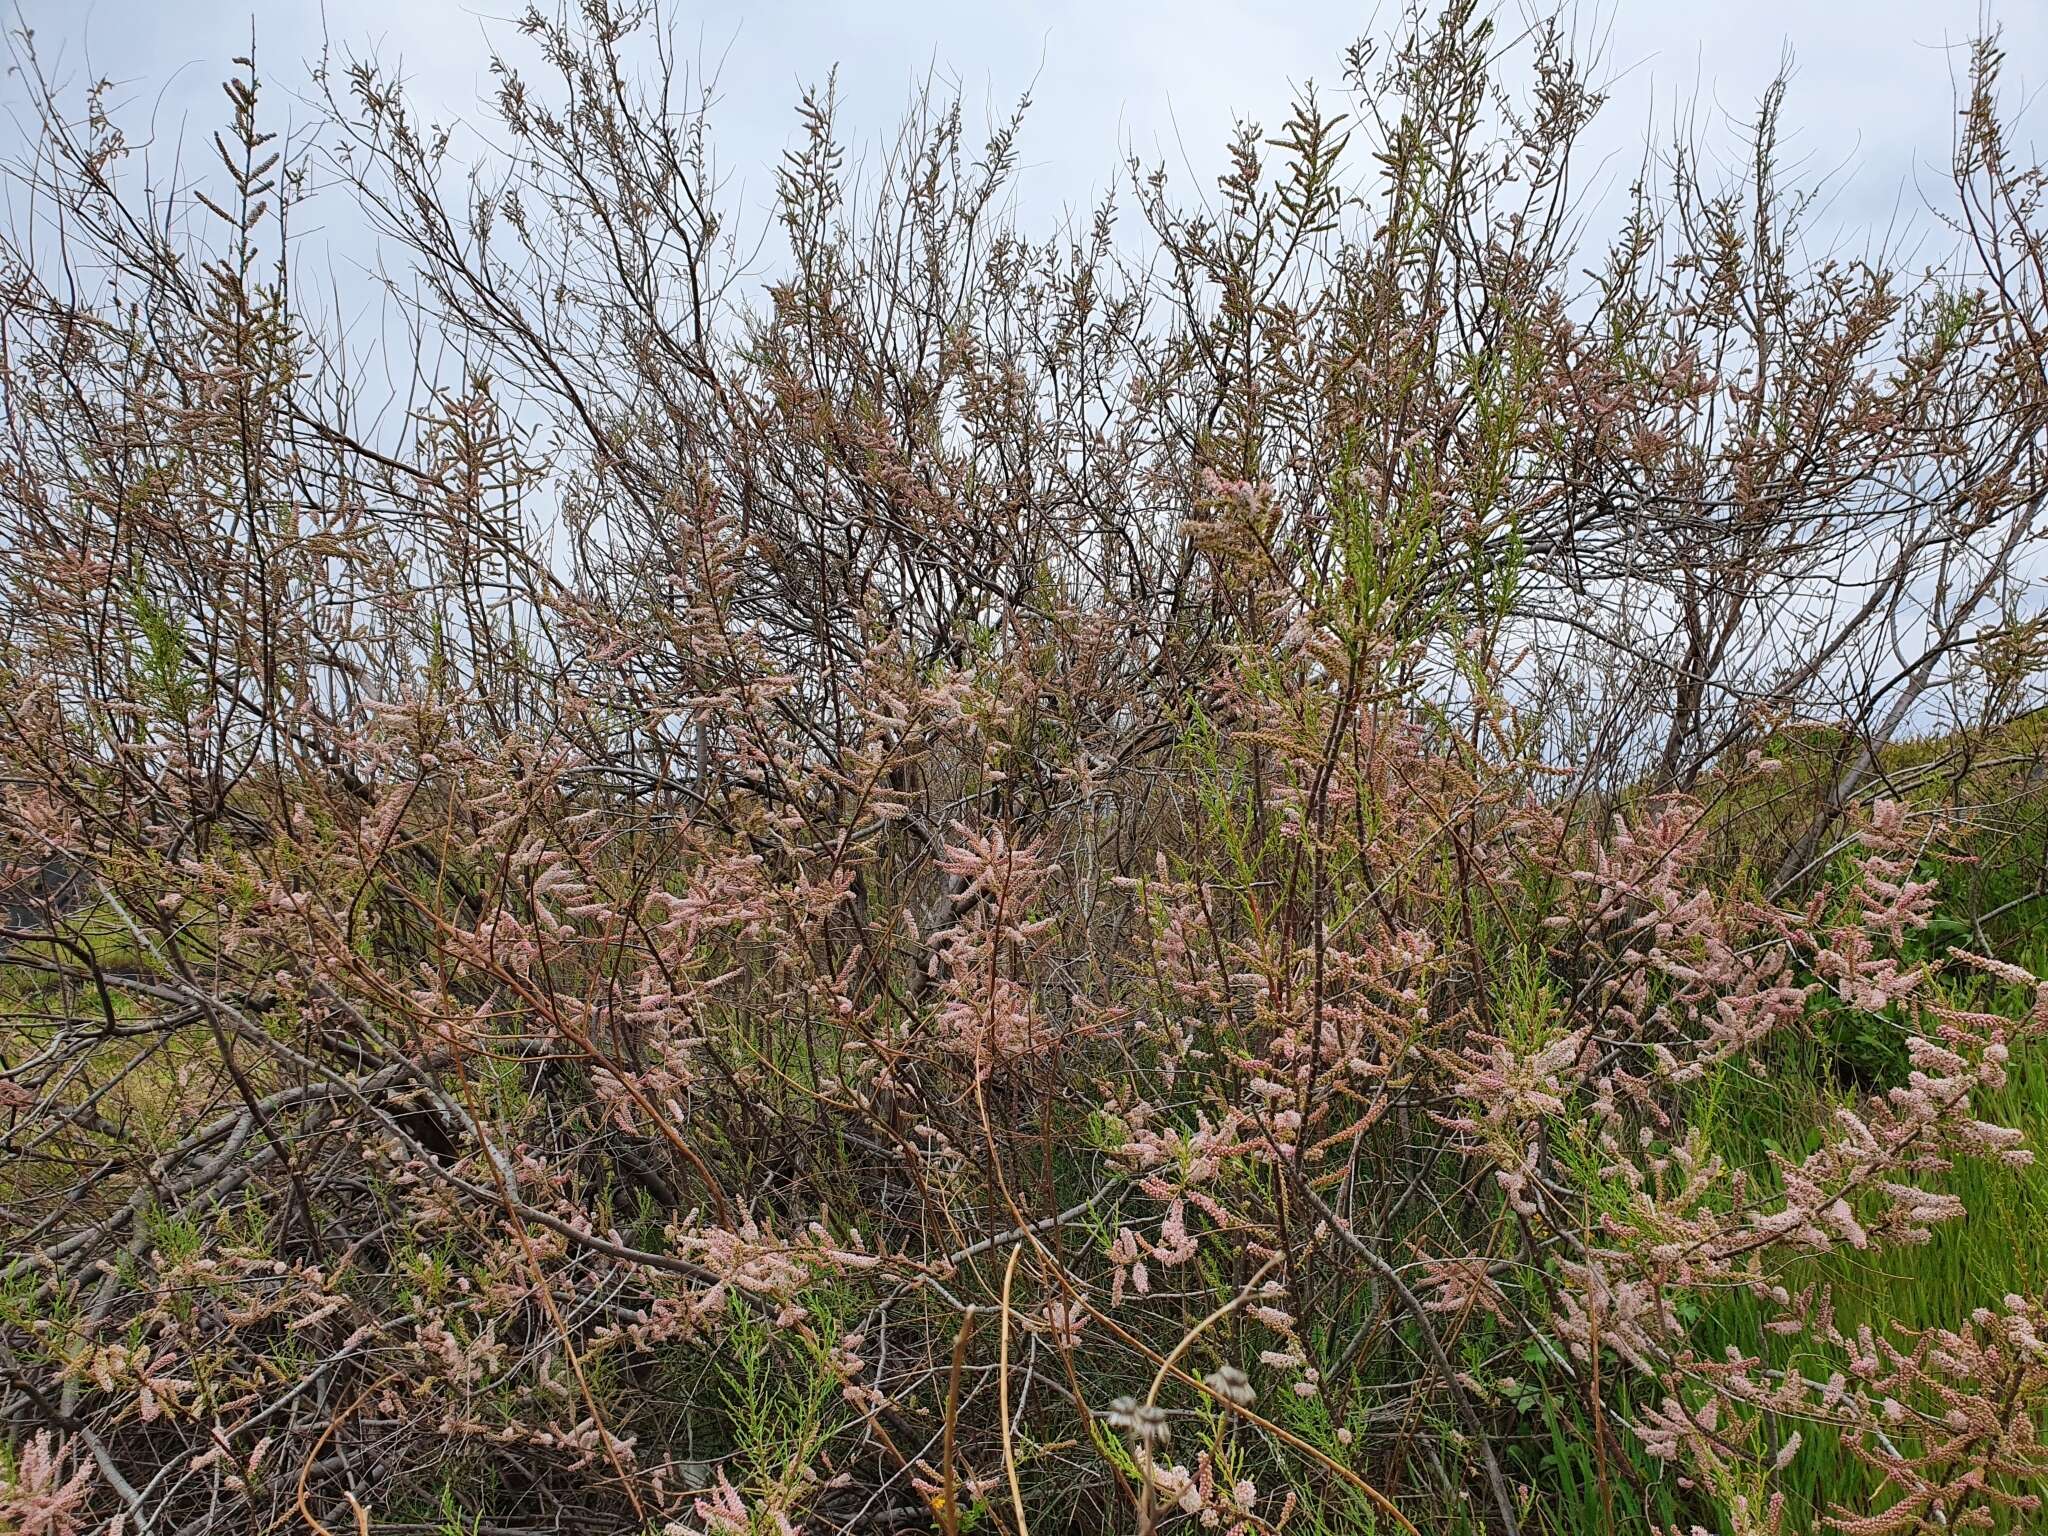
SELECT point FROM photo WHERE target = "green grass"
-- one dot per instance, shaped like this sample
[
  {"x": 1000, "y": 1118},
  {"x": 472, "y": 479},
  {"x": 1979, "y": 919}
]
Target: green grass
[{"x": 2000, "y": 1247}]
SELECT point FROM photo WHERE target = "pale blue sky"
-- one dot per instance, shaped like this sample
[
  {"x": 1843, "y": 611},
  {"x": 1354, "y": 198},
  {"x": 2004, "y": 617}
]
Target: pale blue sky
[{"x": 1871, "y": 95}]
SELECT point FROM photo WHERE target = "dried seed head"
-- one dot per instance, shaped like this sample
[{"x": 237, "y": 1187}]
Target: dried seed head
[
  {"x": 1153, "y": 1429},
  {"x": 1142, "y": 1423},
  {"x": 1232, "y": 1385}
]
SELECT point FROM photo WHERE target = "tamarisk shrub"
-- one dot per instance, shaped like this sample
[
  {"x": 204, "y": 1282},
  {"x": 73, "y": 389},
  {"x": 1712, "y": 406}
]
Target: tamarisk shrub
[{"x": 1103, "y": 881}]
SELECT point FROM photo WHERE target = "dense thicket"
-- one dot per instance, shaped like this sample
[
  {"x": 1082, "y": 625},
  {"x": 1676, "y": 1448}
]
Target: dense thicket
[{"x": 1328, "y": 859}]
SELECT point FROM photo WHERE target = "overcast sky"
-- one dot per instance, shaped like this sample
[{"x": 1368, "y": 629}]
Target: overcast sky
[
  {"x": 1871, "y": 98},
  {"x": 1871, "y": 104}
]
